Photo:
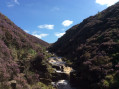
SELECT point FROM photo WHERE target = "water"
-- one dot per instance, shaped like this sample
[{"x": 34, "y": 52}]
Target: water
[
  {"x": 56, "y": 61},
  {"x": 60, "y": 84},
  {"x": 63, "y": 84}
]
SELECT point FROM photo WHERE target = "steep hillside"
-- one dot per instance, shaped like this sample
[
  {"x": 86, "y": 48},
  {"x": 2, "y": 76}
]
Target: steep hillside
[
  {"x": 93, "y": 49},
  {"x": 22, "y": 58}
]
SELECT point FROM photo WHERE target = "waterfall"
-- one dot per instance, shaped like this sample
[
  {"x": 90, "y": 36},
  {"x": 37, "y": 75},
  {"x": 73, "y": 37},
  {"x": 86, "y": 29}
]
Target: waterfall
[{"x": 60, "y": 68}]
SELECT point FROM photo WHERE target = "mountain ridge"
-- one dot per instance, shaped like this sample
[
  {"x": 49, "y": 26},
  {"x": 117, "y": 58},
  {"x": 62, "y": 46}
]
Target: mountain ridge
[
  {"x": 23, "y": 63},
  {"x": 92, "y": 49}
]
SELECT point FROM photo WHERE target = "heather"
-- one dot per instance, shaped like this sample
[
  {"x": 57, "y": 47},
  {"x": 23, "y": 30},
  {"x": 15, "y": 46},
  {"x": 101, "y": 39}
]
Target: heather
[
  {"x": 22, "y": 59},
  {"x": 92, "y": 49}
]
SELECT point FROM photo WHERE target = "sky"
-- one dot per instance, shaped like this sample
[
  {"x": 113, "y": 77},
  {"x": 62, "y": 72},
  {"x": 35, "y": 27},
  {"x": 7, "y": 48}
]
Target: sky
[{"x": 49, "y": 19}]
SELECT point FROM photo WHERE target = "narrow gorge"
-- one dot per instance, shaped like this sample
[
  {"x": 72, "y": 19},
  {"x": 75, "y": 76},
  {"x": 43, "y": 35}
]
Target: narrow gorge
[{"x": 62, "y": 72}]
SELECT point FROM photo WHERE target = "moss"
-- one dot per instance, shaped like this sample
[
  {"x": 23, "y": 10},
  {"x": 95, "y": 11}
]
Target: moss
[
  {"x": 43, "y": 86},
  {"x": 5, "y": 85},
  {"x": 110, "y": 79},
  {"x": 32, "y": 52},
  {"x": 116, "y": 58},
  {"x": 99, "y": 15},
  {"x": 14, "y": 52},
  {"x": 105, "y": 83}
]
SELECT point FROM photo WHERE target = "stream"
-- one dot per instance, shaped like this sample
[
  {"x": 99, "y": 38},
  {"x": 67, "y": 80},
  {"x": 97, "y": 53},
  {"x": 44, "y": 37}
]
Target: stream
[
  {"x": 60, "y": 68},
  {"x": 62, "y": 84}
]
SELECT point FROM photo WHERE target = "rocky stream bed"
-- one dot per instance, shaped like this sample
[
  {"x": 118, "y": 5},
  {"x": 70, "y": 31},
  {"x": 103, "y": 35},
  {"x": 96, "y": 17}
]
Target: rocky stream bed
[{"x": 63, "y": 72}]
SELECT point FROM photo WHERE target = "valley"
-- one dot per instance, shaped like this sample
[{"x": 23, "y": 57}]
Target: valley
[
  {"x": 60, "y": 67},
  {"x": 85, "y": 57}
]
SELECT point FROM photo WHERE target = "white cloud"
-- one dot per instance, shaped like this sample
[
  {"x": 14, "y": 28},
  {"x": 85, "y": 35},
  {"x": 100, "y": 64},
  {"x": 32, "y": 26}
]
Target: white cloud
[
  {"x": 10, "y": 5},
  {"x": 59, "y": 34},
  {"x": 55, "y": 9},
  {"x": 106, "y": 2},
  {"x": 16, "y": 1},
  {"x": 40, "y": 35},
  {"x": 46, "y": 26},
  {"x": 67, "y": 23},
  {"x": 26, "y": 31}
]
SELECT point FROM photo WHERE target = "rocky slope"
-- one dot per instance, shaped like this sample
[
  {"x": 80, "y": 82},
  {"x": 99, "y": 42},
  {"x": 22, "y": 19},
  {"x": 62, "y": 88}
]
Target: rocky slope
[
  {"x": 22, "y": 58},
  {"x": 92, "y": 47}
]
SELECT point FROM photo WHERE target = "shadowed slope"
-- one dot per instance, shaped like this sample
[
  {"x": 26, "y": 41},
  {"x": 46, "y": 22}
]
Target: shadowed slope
[{"x": 93, "y": 48}]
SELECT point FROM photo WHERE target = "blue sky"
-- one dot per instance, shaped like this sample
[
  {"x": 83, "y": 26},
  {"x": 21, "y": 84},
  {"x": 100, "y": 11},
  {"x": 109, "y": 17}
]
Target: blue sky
[{"x": 49, "y": 19}]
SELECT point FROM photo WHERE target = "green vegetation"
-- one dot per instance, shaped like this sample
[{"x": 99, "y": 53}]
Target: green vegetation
[
  {"x": 99, "y": 15},
  {"x": 23, "y": 63},
  {"x": 92, "y": 48}
]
